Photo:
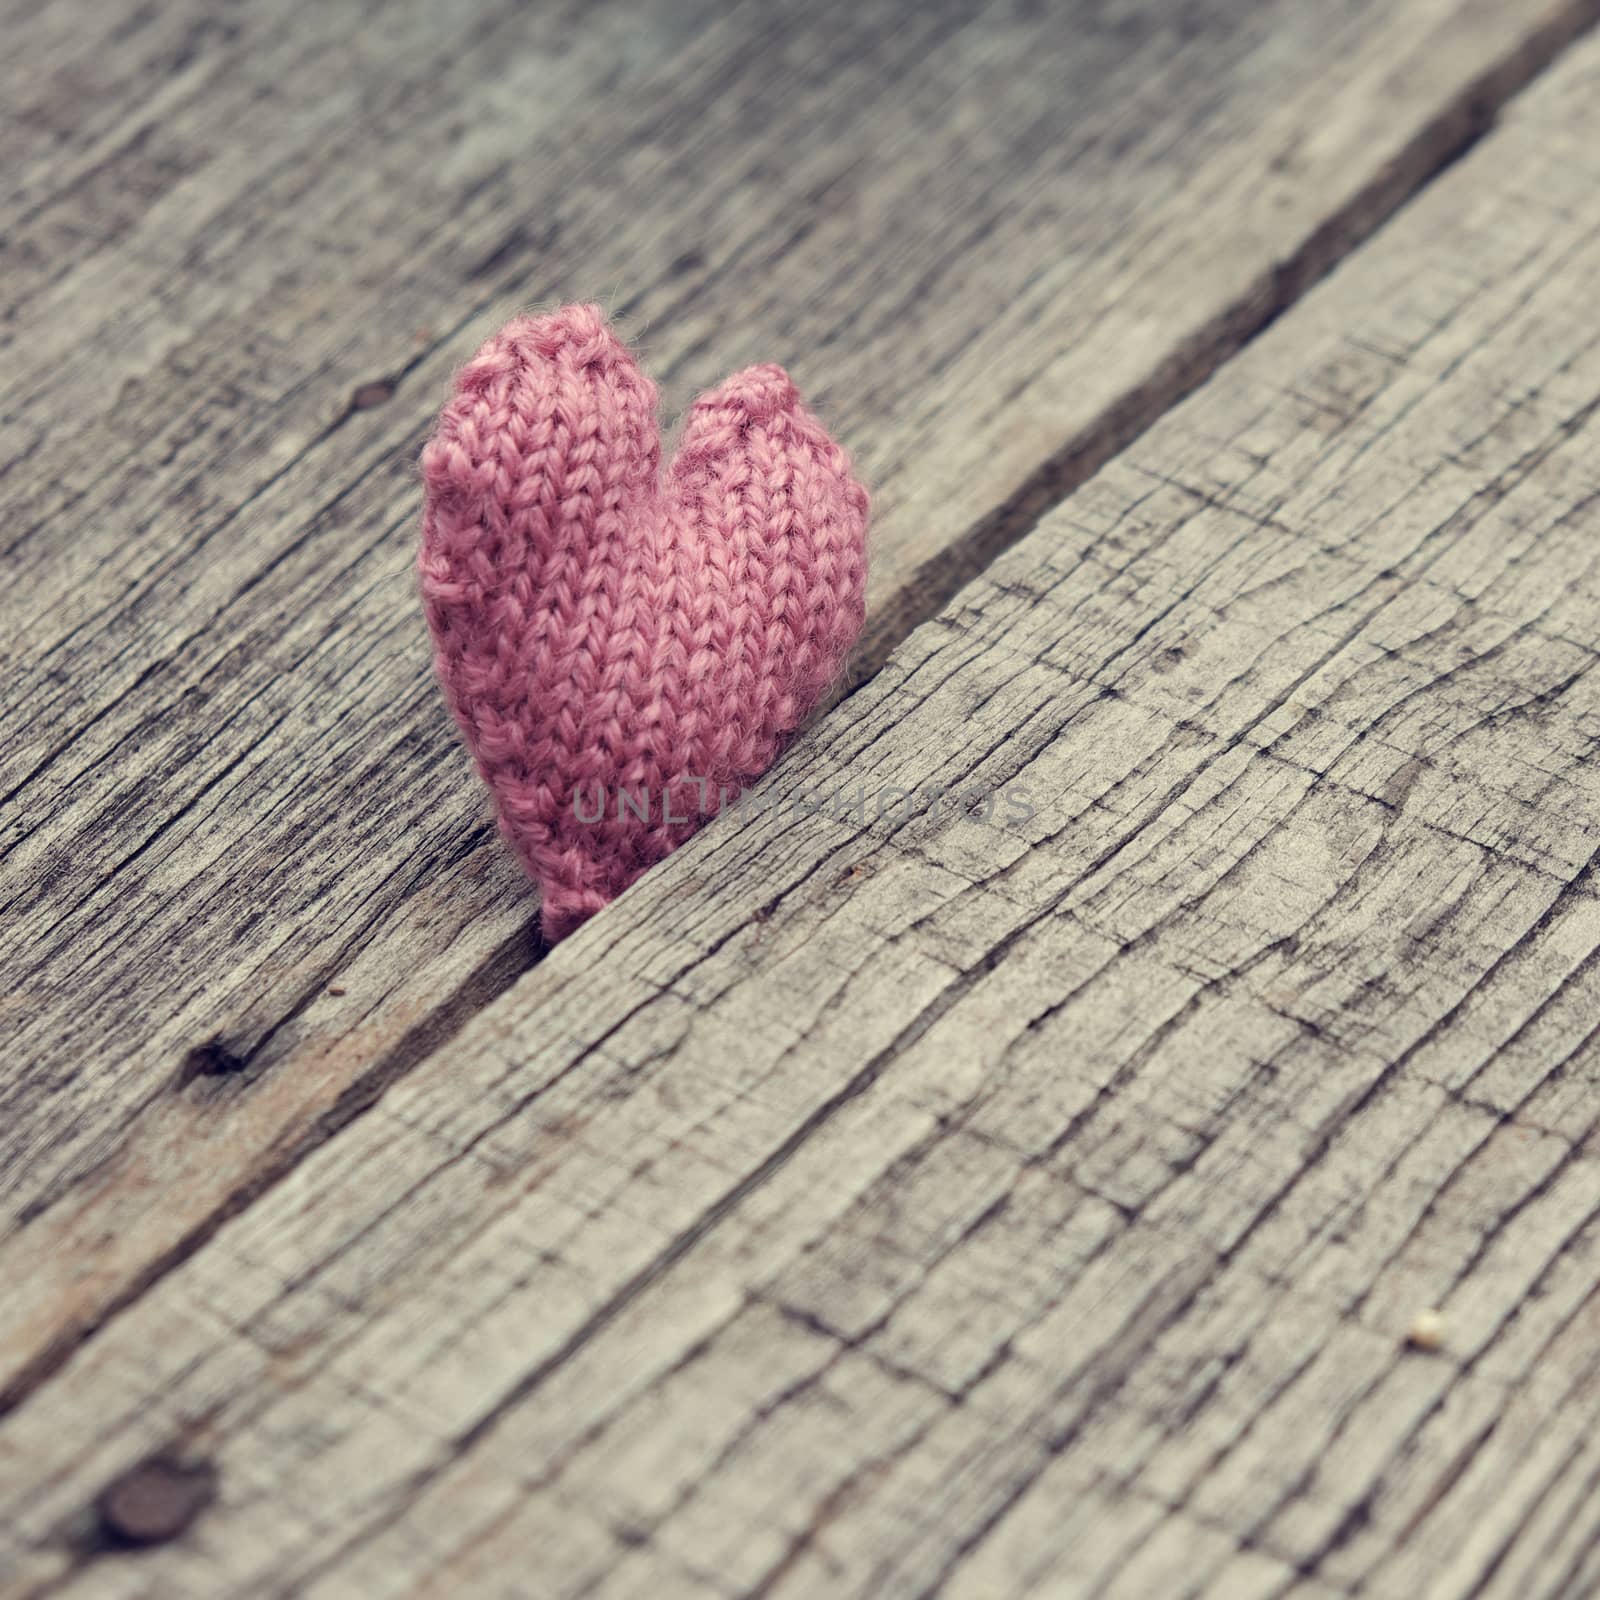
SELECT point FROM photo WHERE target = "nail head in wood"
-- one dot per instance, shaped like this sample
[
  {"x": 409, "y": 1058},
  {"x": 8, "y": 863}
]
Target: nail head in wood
[
  {"x": 156, "y": 1500},
  {"x": 213, "y": 1059},
  {"x": 372, "y": 394}
]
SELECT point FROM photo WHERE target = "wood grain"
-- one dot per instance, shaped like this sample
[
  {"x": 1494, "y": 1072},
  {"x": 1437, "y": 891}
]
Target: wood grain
[
  {"x": 247, "y": 877},
  {"x": 1031, "y": 1206}
]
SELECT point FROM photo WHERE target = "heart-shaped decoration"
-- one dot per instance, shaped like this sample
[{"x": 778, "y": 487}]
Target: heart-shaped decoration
[{"x": 626, "y": 649}]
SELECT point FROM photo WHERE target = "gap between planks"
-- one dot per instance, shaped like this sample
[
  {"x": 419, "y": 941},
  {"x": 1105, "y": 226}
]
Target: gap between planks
[
  {"x": 1291, "y": 983},
  {"x": 917, "y": 585}
]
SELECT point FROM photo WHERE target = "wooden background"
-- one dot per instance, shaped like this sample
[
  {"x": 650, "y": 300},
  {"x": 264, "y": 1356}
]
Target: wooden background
[{"x": 875, "y": 1205}]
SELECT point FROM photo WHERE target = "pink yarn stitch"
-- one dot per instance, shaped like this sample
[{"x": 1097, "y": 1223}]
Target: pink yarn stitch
[{"x": 605, "y": 630}]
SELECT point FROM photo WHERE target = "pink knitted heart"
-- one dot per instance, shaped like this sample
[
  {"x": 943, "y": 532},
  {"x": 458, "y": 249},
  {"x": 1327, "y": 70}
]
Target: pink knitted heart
[{"x": 623, "y": 649}]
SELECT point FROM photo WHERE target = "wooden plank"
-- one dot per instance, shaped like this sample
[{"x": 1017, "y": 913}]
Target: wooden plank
[
  {"x": 1040, "y": 1205},
  {"x": 248, "y": 878}
]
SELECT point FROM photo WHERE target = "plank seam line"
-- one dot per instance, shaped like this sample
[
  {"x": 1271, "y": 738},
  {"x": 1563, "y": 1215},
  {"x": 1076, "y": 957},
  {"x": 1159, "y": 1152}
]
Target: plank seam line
[
  {"x": 1432, "y": 150},
  {"x": 486, "y": 983},
  {"x": 1442, "y": 141}
]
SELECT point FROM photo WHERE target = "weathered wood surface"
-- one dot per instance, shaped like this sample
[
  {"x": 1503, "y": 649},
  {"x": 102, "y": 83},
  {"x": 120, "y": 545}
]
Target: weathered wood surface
[
  {"x": 247, "y": 876},
  {"x": 1021, "y": 1208}
]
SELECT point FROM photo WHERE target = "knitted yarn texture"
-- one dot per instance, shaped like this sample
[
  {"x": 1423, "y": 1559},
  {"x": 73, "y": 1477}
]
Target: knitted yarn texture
[{"x": 625, "y": 649}]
